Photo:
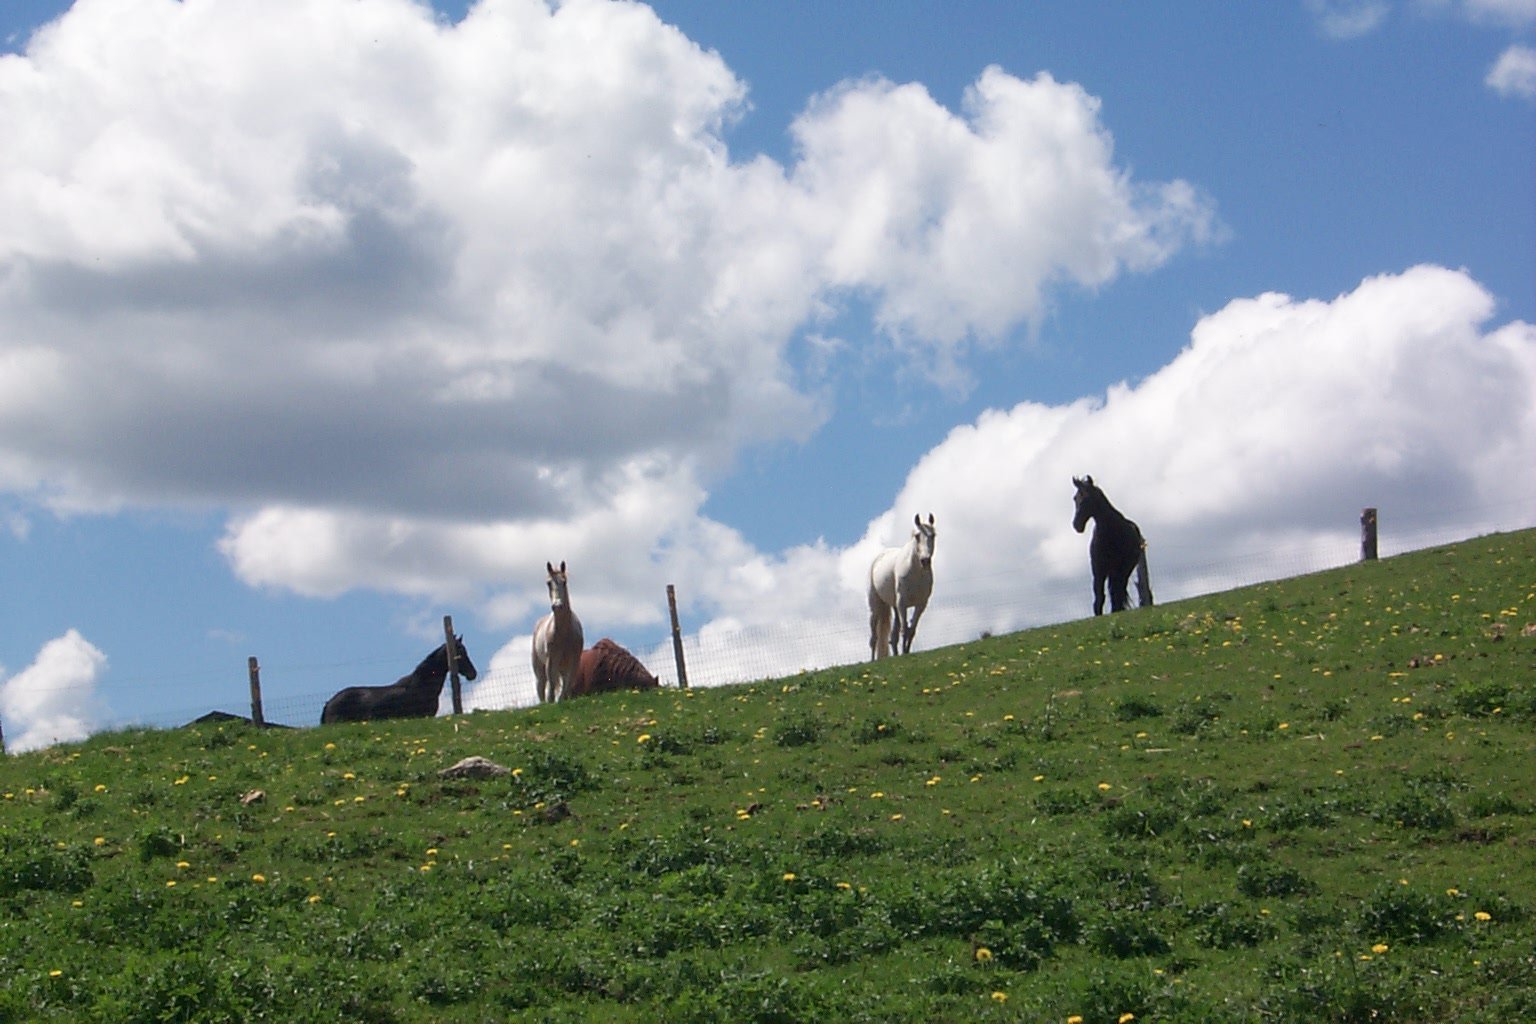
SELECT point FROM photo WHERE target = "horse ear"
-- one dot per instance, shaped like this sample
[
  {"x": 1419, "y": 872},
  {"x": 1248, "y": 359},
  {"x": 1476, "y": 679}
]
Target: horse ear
[
  {"x": 550, "y": 568},
  {"x": 917, "y": 519},
  {"x": 562, "y": 565},
  {"x": 930, "y": 518}
]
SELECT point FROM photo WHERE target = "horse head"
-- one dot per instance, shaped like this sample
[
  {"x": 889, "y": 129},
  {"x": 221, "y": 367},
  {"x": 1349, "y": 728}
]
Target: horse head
[
  {"x": 559, "y": 594},
  {"x": 461, "y": 659},
  {"x": 1084, "y": 502},
  {"x": 923, "y": 539}
]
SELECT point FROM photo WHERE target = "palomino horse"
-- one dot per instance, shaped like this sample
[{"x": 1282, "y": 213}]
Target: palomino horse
[
  {"x": 557, "y": 641},
  {"x": 412, "y": 696},
  {"x": 1116, "y": 550},
  {"x": 900, "y": 578}
]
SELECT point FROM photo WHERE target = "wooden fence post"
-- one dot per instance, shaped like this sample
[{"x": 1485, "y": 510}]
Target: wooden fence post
[
  {"x": 257, "y": 716},
  {"x": 453, "y": 664},
  {"x": 677, "y": 639},
  {"x": 1368, "y": 535}
]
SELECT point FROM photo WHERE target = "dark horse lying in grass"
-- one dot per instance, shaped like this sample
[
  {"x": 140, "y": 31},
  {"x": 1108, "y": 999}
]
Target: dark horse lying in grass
[
  {"x": 1116, "y": 550},
  {"x": 412, "y": 696}
]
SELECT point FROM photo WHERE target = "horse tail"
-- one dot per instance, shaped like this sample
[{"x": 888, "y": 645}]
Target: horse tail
[{"x": 1143, "y": 580}]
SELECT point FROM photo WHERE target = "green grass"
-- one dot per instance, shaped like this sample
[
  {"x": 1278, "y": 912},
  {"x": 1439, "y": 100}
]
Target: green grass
[{"x": 1302, "y": 801}]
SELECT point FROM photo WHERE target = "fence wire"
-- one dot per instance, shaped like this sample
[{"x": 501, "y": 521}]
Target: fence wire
[{"x": 1002, "y": 600}]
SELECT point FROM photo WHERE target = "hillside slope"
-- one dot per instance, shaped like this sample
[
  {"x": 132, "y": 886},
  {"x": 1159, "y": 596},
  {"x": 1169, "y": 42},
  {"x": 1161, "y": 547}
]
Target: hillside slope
[{"x": 1307, "y": 800}]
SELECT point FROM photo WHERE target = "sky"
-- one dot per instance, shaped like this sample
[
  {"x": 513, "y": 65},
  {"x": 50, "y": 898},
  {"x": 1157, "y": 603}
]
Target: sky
[{"x": 321, "y": 321}]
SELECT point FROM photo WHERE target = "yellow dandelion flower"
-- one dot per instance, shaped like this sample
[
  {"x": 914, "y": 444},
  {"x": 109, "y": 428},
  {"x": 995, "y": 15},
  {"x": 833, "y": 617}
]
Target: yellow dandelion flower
[
  {"x": 789, "y": 876},
  {"x": 999, "y": 997},
  {"x": 983, "y": 954},
  {"x": 644, "y": 737},
  {"x": 1483, "y": 915},
  {"x": 1076, "y": 1018},
  {"x": 100, "y": 788},
  {"x": 1125, "y": 1018},
  {"x": 313, "y": 898},
  {"x": 896, "y": 817},
  {"x": 258, "y": 878},
  {"x": 1379, "y": 948},
  {"x": 100, "y": 840},
  {"x": 1104, "y": 787},
  {"x": 55, "y": 974}
]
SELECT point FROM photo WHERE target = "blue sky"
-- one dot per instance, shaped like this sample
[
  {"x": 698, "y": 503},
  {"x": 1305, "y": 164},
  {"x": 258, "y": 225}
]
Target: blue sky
[{"x": 321, "y": 321}]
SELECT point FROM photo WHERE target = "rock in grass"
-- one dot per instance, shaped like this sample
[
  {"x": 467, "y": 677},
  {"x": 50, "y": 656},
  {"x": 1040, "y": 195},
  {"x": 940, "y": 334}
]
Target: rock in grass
[{"x": 474, "y": 767}]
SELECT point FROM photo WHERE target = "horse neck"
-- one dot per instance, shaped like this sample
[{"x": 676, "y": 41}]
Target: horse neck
[
  {"x": 562, "y": 614},
  {"x": 1106, "y": 514},
  {"x": 907, "y": 562},
  {"x": 432, "y": 668}
]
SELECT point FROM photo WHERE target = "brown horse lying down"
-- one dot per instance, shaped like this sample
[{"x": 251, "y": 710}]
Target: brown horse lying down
[{"x": 607, "y": 667}]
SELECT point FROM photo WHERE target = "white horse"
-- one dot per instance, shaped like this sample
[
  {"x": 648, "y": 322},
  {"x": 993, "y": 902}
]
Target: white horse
[
  {"x": 557, "y": 641},
  {"x": 900, "y": 578}
]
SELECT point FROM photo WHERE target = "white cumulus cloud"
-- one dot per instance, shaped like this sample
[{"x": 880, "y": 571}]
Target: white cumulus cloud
[
  {"x": 1514, "y": 73},
  {"x": 424, "y": 303},
  {"x": 53, "y": 700}
]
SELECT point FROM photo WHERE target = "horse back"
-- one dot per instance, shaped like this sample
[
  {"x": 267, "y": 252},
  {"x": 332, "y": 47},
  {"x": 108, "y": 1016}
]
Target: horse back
[
  {"x": 407, "y": 698},
  {"x": 606, "y": 666}
]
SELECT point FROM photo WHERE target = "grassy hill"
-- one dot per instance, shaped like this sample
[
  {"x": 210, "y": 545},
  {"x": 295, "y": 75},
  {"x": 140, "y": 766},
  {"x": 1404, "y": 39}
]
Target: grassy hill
[{"x": 1301, "y": 801}]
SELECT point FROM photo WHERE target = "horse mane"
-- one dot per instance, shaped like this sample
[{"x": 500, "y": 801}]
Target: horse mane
[{"x": 432, "y": 664}]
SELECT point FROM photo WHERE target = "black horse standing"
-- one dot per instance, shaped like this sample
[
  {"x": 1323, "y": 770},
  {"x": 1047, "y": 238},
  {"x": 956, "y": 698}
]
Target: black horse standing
[
  {"x": 1116, "y": 550},
  {"x": 412, "y": 696}
]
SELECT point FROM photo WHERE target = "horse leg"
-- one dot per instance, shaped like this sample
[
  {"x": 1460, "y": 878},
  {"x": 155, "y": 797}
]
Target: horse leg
[
  {"x": 877, "y": 619},
  {"x": 911, "y": 630},
  {"x": 1098, "y": 593},
  {"x": 894, "y": 633},
  {"x": 1119, "y": 595}
]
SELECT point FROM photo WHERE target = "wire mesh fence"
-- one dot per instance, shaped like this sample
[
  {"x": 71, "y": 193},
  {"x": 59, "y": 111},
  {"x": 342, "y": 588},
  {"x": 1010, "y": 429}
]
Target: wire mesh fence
[{"x": 1003, "y": 599}]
